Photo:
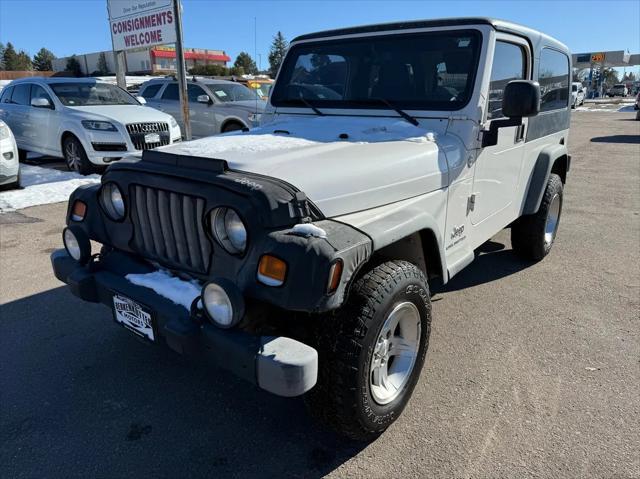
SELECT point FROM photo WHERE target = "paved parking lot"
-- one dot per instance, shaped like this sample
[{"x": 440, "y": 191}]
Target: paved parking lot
[{"x": 533, "y": 370}]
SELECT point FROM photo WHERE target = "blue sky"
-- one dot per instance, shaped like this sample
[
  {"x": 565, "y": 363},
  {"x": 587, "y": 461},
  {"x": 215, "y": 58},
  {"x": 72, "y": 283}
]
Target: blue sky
[{"x": 80, "y": 26}]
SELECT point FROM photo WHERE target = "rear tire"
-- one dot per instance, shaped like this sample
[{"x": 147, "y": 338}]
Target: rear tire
[
  {"x": 75, "y": 156},
  {"x": 371, "y": 351},
  {"x": 532, "y": 236}
]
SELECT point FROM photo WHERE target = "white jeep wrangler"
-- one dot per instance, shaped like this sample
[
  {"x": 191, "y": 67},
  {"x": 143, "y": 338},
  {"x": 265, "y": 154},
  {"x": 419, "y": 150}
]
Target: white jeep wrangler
[{"x": 299, "y": 254}]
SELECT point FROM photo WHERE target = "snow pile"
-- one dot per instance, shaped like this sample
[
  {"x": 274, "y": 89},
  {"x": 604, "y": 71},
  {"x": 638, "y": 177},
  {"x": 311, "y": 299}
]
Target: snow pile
[
  {"x": 43, "y": 186},
  {"x": 299, "y": 133},
  {"x": 308, "y": 229},
  {"x": 176, "y": 290}
]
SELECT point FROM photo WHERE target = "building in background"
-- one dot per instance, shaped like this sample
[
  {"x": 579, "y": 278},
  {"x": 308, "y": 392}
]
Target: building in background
[{"x": 147, "y": 61}]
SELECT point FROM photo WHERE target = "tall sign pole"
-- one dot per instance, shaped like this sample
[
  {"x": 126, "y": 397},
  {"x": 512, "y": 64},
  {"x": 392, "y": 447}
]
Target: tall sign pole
[{"x": 182, "y": 73}]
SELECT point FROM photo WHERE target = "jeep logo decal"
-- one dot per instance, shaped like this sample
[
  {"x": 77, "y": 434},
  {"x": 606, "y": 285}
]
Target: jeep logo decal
[
  {"x": 457, "y": 231},
  {"x": 252, "y": 185}
]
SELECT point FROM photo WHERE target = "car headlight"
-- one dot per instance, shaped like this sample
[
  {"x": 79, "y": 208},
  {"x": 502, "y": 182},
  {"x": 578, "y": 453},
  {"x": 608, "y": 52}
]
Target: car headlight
[
  {"x": 98, "y": 125},
  {"x": 4, "y": 132},
  {"x": 173, "y": 121},
  {"x": 222, "y": 302},
  {"x": 255, "y": 117},
  {"x": 112, "y": 201},
  {"x": 229, "y": 230}
]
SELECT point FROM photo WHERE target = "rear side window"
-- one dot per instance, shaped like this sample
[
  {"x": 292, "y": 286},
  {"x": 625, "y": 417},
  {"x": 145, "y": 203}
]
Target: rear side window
[
  {"x": 6, "y": 95},
  {"x": 508, "y": 64},
  {"x": 21, "y": 94},
  {"x": 553, "y": 77},
  {"x": 151, "y": 90},
  {"x": 171, "y": 92}
]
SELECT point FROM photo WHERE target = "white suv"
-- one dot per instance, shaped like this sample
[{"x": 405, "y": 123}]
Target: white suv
[{"x": 88, "y": 122}]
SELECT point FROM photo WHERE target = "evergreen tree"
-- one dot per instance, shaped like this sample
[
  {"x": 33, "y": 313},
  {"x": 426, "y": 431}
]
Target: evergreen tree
[
  {"x": 278, "y": 50},
  {"x": 43, "y": 60},
  {"x": 73, "y": 66},
  {"x": 23, "y": 61},
  {"x": 10, "y": 57},
  {"x": 1, "y": 56},
  {"x": 247, "y": 63},
  {"x": 103, "y": 68}
]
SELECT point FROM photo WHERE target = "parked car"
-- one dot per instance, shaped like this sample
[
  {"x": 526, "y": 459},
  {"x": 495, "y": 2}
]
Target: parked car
[
  {"x": 300, "y": 254},
  {"x": 87, "y": 122},
  {"x": 215, "y": 106},
  {"x": 577, "y": 94},
  {"x": 619, "y": 89},
  {"x": 9, "y": 164}
]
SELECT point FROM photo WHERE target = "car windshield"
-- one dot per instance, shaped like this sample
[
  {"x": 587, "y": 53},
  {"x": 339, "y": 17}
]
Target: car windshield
[
  {"x": 228, "y": 92},
  {"x": 89, "y": 94},
  {"x": 428, "y": 71}
]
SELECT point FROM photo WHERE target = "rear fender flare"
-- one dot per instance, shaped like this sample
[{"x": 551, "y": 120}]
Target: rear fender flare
[{"x": 540, "y": 176}]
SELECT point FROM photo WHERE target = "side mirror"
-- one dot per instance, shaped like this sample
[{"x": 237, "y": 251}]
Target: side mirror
[
  {"x": 203, "y": 99},
  {"x": 41, "y": 103},
  {"x": 521, "y": 99},
  {"x": 142, "y": 100}
]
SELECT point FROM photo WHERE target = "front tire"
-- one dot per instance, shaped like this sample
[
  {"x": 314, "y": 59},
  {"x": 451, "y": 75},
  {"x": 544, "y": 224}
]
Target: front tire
[
  {"x": 75, "y": 156},
  {"x": 532, "y": 236},
  {"x": 371, "y": 352}
]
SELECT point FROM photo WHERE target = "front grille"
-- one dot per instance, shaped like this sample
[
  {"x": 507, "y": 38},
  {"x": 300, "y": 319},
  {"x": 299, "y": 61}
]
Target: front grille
[
  {"x": 138, "y": 132},
  {"x": 168, "y": 228}
]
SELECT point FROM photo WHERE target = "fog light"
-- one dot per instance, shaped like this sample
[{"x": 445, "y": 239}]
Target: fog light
[
  {"x": 223, "y": 303},
  {"x": 272, "y": 271},
  {"x": 78, "y": 211},
  {"x": 77, "y": 244}
]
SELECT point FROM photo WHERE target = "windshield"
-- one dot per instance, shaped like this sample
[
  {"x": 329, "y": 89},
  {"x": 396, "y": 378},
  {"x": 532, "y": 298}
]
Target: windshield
[
  {"x": 429, "y": 71},
  {"x": 89, "y": 94},
  {"x": 232, "y": 92}
]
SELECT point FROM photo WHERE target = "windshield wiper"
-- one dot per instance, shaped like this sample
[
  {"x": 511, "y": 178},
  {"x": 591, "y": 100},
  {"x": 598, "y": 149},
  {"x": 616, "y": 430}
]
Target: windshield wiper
[
  {"x": 400, "y": 112},
  {"x": 308, "y": 104}
]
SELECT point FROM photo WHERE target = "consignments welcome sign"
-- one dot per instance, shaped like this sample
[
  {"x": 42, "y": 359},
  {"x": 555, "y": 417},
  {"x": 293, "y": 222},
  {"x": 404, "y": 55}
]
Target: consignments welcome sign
[{"x": 141, "y": 23}]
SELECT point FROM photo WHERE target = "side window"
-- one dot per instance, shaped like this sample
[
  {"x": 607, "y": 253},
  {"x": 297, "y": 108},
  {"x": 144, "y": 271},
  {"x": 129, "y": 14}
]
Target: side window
[
  {"x": 509, "y": 62},
  {"x": 6, "y": 95},
  {"x": 151, "y": 90},
  {"x": 38, "y": 92},
  {"x": 553, "y": 77},
  {"x": 171, "y": 92},
  {"x": 21, "y": 94},
  {"x": 193, "y": 91}
]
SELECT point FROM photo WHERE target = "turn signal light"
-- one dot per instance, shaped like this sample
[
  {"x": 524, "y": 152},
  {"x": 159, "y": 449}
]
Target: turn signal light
[
  {"x": 271, "y": 270},
  {"x": 78, "y": 211},
  {"x": 334, "y": 276}
]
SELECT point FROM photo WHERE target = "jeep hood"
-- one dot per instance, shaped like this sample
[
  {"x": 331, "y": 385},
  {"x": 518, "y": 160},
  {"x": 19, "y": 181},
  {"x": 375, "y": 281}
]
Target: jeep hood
[{"x": 343, "y": 165}]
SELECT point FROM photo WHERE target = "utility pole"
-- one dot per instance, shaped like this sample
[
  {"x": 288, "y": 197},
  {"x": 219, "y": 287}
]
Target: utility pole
[
  {"x": 182, "y": 73},
  {"x": 120, "y": 61}
]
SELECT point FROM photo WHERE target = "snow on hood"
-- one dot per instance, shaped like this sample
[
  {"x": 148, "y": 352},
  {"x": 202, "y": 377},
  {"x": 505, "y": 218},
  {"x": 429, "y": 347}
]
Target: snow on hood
[
  {"x": 122, "y": 113},
  {"x": 343, "y": 164}
]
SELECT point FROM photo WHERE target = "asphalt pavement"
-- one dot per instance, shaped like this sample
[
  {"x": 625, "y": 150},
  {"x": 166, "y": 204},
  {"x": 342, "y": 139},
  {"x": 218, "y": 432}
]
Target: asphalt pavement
[{"x": 532, "y": 371}]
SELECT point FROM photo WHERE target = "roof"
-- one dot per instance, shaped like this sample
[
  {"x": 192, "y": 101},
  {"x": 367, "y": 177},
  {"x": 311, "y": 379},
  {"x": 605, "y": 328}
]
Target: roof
[
  {"x": 50, "y": 80},
  {"x": 206, "y": 81},
  {"x": 191, "y": 55},
  {"x": 500, "y": 25}
]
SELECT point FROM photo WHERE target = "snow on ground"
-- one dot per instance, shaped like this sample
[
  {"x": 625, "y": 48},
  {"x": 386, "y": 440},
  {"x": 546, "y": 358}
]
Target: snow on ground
[
  {"x": 42, "y": 186},
  {"x": 174, "y": 289},
  {"x": 606, "y": 107},
  {"x": 290, "y": 134}
]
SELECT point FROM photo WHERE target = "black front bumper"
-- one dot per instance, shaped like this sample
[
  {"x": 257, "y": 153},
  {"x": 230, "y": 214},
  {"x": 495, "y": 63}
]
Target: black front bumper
[{"x": 249, "y": 356}]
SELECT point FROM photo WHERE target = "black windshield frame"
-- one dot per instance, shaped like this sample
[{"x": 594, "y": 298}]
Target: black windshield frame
[{"x": 279, "y": 97}]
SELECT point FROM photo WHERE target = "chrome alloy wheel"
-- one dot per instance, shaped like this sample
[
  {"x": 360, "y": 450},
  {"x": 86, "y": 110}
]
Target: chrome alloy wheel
[
  {"x": 395, "y": 353},
  {"x": 553, "y": 217},
  {"x": 72, "y": 155}
]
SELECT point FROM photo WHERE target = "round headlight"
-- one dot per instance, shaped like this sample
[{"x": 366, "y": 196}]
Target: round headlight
[
  {"x": 77, "y": 244},
  {"x": 112, "y": 201},
  {"x": 229, "y": 230},
  {"x": 217, "y": 304}
]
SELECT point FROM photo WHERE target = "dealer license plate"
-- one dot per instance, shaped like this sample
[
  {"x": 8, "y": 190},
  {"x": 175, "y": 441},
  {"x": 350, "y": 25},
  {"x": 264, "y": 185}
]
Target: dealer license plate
[
  {"x": 133, "y": 316},
  {"x": 152, "y": 138}
]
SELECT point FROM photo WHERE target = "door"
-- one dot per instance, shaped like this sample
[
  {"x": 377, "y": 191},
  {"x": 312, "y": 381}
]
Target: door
[
  {"x": 498, "y": 167},
  {"x": 203, "y": 122},
  {"x": 20, "y": 99},
  {"x": 38, "y": 127},
  {"x": 170, "y": 103}
]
